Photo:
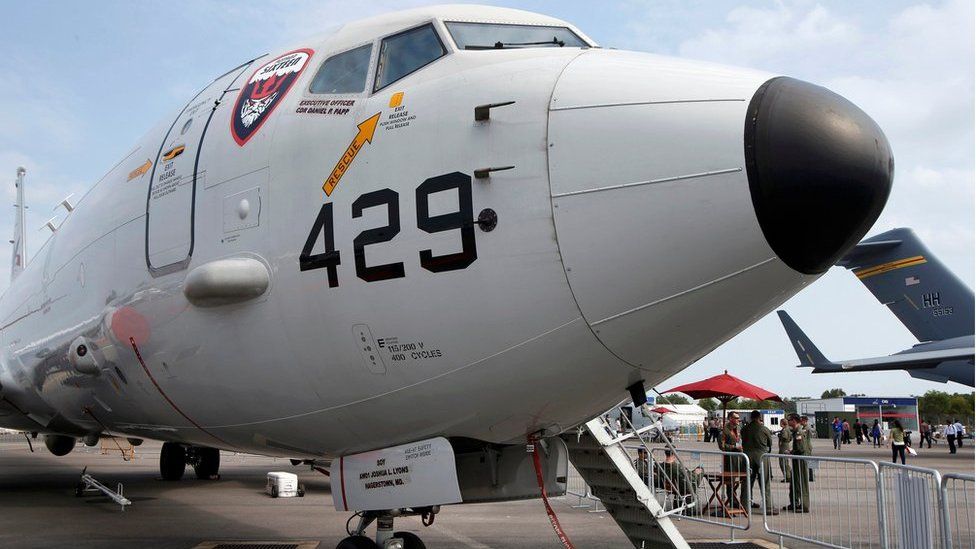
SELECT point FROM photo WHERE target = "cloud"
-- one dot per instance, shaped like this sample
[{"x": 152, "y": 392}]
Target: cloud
[
  {"x": 910, "y": 69},
  {"x": 35, "y": 106},
  {"x": 775, "y": 37}
]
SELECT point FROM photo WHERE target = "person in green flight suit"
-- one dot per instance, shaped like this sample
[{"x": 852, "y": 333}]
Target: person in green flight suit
[
  {"x": 680, "y": 482},
  {"x": 799, "y": 481},
  {"x": 642, "y": 464},
  {"x": 731, "y": 442},
  {"x": 811, "y": 434},
  {"x": 757, "y": 440},
  {"x": 785, "y": 439}
]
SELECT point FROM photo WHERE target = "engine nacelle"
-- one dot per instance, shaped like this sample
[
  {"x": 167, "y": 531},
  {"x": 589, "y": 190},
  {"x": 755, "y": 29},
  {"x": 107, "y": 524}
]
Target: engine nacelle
[{"x": 59, "y": 445}]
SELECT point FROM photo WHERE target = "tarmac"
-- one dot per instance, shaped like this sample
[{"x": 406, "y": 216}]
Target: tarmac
[{"x": 39, "y": 509}]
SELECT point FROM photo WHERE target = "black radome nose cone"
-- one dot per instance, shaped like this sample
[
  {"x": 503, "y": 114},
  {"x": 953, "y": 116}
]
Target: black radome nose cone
[{"x": 819, "y": 168}]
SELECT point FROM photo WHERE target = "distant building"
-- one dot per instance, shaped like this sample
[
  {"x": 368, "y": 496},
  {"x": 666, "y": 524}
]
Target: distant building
[
  {"x": 867, "y": 409},
  {"x": 770, "y": 418}
]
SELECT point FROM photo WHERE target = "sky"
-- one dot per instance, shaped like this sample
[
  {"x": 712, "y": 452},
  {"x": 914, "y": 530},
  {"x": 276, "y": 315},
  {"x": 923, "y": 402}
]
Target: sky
[{"x": 86, "y": 80}]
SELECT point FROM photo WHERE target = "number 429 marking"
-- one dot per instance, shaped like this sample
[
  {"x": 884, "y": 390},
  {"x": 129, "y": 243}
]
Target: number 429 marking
[{"x": 460, "y": 220}]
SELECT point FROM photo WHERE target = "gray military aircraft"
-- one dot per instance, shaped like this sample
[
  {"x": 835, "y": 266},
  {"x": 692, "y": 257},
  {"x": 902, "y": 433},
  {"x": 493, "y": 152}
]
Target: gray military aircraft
[
  {"x": 926, "y": 297},
  {"x": 402, "y": 249}
]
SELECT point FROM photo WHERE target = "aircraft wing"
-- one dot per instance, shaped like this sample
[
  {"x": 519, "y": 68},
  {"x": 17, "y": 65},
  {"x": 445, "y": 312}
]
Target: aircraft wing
[
  {"x": 810, "y": 355},
  {"x": 905, "y": 361}
]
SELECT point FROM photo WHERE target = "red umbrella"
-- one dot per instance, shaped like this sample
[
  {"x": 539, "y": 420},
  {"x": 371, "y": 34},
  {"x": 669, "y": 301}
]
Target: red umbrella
[
  {"x": 662, "y": 410},
  {"x": 724, "y": 387}
]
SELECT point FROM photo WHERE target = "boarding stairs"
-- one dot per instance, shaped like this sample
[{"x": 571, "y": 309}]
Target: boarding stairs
[{"x": 607, "y": 467}]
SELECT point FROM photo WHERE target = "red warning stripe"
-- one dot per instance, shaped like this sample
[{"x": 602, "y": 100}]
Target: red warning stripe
[
  {"x": 135, "y": 348},
  {"x": 545, "y": 498},
  {"x": 342, "y": 485}
]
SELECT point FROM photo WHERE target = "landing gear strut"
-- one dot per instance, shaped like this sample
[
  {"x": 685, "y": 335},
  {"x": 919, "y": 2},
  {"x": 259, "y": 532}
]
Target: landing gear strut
[
  {"x": 386, "y": 538},
  {"x": 174, "y": 458}
]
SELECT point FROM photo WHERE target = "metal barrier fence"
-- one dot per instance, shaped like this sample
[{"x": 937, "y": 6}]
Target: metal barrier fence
[
  {"x": 850, "y": 503},
  {"x": 912, "y": 498},
  {"x": 839, "y": 507},
  {"x": 712, "y": 486},
  {"x": 957, "y": 510},
  {"x": 577, "y": 488}
]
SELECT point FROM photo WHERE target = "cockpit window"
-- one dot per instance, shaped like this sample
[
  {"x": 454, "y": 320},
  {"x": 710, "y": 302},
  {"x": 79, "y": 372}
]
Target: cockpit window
[
  {"x": 344, "y": 73},
  {"x": 494, "y": 36},
  {"x": 404, "y": 53}
]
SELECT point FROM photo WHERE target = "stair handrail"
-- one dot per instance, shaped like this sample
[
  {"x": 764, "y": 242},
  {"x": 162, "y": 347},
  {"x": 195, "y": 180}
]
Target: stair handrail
[{"x": 690, "y": 500}]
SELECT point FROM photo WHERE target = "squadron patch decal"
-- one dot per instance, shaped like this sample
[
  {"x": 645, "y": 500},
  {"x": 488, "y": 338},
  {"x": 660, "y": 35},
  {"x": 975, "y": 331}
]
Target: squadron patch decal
[{"x": 264, "y": 91}]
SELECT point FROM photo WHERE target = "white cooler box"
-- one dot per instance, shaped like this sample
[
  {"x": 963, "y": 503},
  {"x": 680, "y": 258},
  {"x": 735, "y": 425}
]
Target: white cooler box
[{"x": 283, "y": 485}]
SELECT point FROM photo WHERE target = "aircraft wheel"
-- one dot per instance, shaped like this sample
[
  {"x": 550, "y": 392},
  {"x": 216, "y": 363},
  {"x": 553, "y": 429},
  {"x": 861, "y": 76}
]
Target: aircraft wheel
[
  {"x": 172, "y": 461},
  {"x": 357, "y": 542},
  {"x": 410, "y": 540},
  {"x": 208, "y": 463}
]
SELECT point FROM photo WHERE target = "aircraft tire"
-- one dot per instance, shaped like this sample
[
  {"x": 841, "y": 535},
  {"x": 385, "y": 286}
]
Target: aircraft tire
[
  {"x": 357, "y": 542},
  {"x": 172, "y": 461},
  {"x": 208, "y": 465},
  {"x": 410, "y": 540}
]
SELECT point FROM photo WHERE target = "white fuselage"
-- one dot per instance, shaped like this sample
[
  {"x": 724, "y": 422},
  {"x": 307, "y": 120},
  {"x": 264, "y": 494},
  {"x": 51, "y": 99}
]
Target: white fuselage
[{"x": 626, "y": 248}]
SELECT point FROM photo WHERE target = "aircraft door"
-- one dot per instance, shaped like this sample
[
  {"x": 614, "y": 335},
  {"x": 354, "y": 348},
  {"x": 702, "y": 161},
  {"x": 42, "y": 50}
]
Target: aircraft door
[{"x": 176, "y": 174}]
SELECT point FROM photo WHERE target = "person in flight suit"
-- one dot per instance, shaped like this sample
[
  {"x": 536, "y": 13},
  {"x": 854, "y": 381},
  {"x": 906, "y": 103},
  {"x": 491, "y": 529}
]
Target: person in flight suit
[
  {"x": 799, "y": 482},
  {"x": 785, "y": 438},
  {"x": 756, "y": 441},
  {"x": 811, "y": 433},
  {"x": 730, "y": 441}
]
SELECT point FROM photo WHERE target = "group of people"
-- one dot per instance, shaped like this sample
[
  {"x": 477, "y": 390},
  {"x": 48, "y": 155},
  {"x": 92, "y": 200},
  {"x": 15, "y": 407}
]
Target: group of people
[
  {"x": 713, "y": 429},
  {"x": 953, "y": 432},
  {"x": 794, "y": 438},
  {"x": 898, "y": 438},
  {"x": 862, "y": 433},
  {"x": 754, "y": 440}
]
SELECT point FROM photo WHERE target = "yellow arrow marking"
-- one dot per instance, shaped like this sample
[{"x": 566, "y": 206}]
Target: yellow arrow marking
[
  {"x": 366, "y": 130},
  {"x": 141, "y": 170},
  {"x": 174, "y": 152}
]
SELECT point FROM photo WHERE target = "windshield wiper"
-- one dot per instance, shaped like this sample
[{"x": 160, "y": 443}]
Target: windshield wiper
[{"x": 505, "y": 45}]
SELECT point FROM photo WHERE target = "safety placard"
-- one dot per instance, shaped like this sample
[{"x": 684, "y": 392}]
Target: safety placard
[{"x": 410, "y": 475}]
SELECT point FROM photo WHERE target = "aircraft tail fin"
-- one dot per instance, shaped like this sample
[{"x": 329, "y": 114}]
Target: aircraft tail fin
[
  {"x": 903, "y": 274},
  {"x": 18, "y": 259},
  {"x": 806, "y": 351}
]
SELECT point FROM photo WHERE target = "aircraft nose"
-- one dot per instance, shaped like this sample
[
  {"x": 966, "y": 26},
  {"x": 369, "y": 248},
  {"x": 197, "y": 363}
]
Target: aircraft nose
[{"x": 819, "y": 171}]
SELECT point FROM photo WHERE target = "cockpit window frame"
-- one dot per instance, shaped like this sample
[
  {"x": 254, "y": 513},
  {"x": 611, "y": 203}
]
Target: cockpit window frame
[
  {"x": 445, "y": 51},
  {"x": 587, "y": 43},
  {"x": 370, "y": 71}
]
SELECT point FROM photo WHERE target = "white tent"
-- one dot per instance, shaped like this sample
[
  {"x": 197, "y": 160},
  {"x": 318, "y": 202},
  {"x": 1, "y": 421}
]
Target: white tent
[{"x": 682, "y": 415}]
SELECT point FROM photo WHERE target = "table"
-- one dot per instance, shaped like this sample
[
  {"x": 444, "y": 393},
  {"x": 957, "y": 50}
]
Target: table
[{"x": 732, "y": 480}]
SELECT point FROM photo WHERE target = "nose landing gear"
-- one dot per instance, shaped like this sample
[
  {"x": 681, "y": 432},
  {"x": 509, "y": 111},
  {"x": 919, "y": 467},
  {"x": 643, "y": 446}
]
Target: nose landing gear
[{"x": 386, "y": 538}]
